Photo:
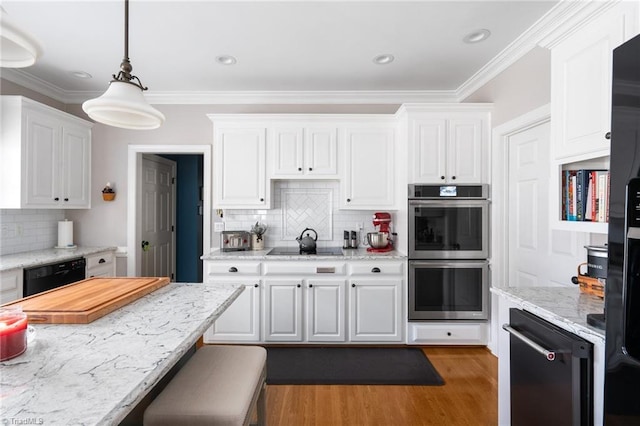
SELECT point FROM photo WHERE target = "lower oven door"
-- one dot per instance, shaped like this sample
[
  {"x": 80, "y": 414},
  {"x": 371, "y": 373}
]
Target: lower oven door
[{"x": 448, "y": 290}]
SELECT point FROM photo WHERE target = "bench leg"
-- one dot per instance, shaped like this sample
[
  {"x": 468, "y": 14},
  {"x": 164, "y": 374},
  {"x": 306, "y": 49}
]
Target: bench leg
[{"x": 262, "y": 406}]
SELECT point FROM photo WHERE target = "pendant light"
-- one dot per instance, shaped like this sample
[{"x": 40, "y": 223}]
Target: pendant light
[
  {"x": 123, "y": 104},
  {"x": 18, "y": 48}
]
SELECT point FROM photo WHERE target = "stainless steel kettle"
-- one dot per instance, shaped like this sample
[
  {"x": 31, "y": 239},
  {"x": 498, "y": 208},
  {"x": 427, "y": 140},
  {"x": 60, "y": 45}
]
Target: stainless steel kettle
[{"x": 307, "y": 244}]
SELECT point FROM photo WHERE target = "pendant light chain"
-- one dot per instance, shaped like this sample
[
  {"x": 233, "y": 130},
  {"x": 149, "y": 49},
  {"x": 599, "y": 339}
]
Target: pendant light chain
[{"x": 125, "y": 66}]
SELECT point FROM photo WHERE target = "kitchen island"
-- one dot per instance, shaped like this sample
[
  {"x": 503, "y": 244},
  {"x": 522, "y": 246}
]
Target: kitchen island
[{"x": 95, "y": 374}]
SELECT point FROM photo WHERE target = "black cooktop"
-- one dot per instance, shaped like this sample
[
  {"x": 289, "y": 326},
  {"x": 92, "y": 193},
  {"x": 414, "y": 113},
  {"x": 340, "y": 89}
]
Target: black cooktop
[{"x": 295, "y": 251}]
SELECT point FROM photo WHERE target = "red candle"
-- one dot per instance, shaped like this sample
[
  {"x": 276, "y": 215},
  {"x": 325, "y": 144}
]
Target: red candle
[{"x": 13, "y": 333}]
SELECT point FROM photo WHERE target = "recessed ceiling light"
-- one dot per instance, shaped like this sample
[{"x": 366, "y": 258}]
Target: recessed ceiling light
[
  {"x": 477, "y": 36},
  {"x": 226, "y": 60},
  {"x": 81, "y": 74},
  {"x": 383, "y": 59}
]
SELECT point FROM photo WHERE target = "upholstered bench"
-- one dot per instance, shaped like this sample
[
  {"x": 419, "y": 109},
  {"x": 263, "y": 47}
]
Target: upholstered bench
[{"x": 219, "y": 385}]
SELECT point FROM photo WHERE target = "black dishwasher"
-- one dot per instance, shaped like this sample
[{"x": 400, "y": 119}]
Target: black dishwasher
[
  {"x": 47, "y": 277},
  {"x": 551, "y": 373}
]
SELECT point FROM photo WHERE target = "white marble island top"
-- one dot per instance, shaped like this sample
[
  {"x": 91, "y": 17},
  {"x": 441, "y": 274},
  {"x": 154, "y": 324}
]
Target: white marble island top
[
  {"x": 94, "y": 374},
  {"x": 566, "y": 307}
]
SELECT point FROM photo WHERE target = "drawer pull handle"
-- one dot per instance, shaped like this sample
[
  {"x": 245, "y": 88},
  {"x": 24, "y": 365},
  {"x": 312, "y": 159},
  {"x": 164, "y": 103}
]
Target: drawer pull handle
[
  {"x": 550, "y": 355},
  {"x": 233, "y": 269},
  {"x": 376, "y": 270},
  {"x": 101, "y": 261},
  {"x": 325, "y": 270}
]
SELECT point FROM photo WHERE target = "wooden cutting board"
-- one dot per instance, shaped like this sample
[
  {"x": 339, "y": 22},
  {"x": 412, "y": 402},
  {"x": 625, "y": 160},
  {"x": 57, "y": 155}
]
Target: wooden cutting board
[{"x": 87, "y": 300}]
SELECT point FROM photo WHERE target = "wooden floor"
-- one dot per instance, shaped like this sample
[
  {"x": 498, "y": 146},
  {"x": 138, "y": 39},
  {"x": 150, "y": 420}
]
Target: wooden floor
[{"x": 469, "y": 397}]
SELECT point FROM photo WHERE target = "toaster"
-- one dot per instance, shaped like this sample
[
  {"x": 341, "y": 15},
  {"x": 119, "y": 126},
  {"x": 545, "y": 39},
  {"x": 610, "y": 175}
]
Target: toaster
[{"x": 235, "y": 240}]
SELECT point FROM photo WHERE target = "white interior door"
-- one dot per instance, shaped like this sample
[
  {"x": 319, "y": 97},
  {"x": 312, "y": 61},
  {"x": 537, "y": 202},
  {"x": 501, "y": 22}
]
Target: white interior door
[
  {"x": 157, "y": 217},
  {"x": 538, "y": 255}
]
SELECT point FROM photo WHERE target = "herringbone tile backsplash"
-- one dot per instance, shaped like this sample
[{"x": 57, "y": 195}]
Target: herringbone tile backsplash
[{"x": 298, "y": 205}]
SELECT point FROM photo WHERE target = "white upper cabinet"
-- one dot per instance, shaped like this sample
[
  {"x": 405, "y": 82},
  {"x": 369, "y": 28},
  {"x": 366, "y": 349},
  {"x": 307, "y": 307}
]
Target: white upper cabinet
[
  {"x": 240, "y": 167},
  {"x": 45, "y": 157},
  {"x": 448, "y": 143},
  {"x": 368, "y": 175},
  {"x": 581, "y": 66},
  {"x": 300, "y": 152}
]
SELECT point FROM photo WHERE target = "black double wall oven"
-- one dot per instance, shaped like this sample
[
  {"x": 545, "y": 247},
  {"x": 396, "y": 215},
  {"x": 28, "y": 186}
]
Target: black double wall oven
[{"x": 448, "y": 252}]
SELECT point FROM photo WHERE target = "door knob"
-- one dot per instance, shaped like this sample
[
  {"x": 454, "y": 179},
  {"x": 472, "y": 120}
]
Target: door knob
[{"x": 145, "y": 245}]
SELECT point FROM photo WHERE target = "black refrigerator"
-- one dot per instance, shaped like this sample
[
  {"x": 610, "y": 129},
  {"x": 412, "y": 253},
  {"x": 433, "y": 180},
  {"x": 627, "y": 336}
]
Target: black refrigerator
[{"x": 622, "y": 290}]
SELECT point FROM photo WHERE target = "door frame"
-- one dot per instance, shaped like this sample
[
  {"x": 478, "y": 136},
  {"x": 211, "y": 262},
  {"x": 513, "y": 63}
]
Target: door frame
[
  {"x": 499, "y": 166},
  {"x": 134, "y": 175}
]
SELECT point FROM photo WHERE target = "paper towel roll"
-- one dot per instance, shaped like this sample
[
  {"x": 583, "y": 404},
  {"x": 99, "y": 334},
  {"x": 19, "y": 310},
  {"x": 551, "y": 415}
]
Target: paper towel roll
[{"x": 65, "y": 233}]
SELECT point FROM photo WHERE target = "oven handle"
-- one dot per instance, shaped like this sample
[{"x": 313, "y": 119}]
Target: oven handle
[{"x": 549, "y": 355}]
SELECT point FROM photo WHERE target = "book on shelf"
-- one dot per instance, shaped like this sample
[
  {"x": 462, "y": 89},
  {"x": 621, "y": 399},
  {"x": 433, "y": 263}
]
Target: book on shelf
[{"x": 585, "y": 195}]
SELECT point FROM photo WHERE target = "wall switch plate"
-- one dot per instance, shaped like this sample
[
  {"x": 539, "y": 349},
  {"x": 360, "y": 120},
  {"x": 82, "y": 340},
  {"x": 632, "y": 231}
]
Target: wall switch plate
[{"x": 218, "y": 226}]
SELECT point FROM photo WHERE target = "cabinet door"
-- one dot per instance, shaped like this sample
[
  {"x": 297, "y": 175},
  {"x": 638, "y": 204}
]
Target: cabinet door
[
  {"x": 464, "y": 151},
  {"x": 581, "y": 83},
  {"x": 429, "y": 150},
  {"x": 240, "y": 168},
  {"x": 320, "y": 151},
  {"x": 282, "y": 314},
  {"x": 325, "y": 318},
  {"x": 375, "y": 313},
  {"x": 76, "y": 167},
  {"x": 42, "y": 162},
  {"x": 287, "y": 156},
  {"x": 240, "y": 322},
  {"x": 10, "y": 285},
  {"x": 368, "y": 178}
]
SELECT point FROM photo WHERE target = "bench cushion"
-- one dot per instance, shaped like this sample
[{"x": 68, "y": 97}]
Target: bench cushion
[{"x": 217, "y": 386}]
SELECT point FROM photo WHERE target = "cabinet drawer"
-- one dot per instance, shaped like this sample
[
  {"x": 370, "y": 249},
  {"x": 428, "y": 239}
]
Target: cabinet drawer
[
  {"x": 104, "y": 270},
  {"x": 448, "y": 333},
  {"x": 306, "y": 268},
  {"x": 376, "y": 268},
  {"x": 100, "y": 259},
  {"x": 233, "y": 268}
]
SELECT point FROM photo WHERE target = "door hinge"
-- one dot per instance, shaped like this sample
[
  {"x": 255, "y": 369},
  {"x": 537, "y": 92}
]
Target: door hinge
[
  {"x": 173, "y": 180},
  {"x": 173, "y": 228},
  {"x": 172, "y": 277}
]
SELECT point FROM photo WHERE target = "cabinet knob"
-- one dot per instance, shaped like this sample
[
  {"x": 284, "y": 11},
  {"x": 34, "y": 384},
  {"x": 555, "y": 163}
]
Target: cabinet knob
[
  {"x": 310, "y": 169},
  {"x": 310, "y": 285},
  {"x": 56, "y": 199},
  {"x": 353, "y": 285},
  {"x": 261, "y": 199},
  {"x": 348, "y": 200},
  {"x": 299, "y": 285},
  {"x": 375, "y": 270},
  {"x": 448, "y": 333},
  {"x": 442, "y": 177},
  {"x": 299, "y": 169},
  {"x": 66, "y": 199},
  {"x": 256, "y": 285},
  {"x": 233, "y": 269},
  {"x": 453, "y": 177},
  {"x": 607, "y": 135}
]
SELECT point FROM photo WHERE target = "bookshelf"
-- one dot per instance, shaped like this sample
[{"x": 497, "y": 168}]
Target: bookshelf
[{"x": 591, "y": 161}]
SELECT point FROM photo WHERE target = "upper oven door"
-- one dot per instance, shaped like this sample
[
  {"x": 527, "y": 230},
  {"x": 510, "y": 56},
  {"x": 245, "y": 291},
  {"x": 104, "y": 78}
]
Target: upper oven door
[{"x": 451, "y": 229}]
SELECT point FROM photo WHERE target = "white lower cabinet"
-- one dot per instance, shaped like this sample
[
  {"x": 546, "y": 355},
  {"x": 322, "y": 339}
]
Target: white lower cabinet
[
  {"x": 101, "y": 264},
  {"x": 448, "y": 333},
  {"x": 375, "y": 312},
  {"x": 307, "y": 301},
  {"x": 240, "y": 322},
  {"x": 10, "y": 285}
]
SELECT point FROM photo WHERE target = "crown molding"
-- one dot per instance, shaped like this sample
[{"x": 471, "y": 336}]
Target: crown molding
[
  {"x": 557, "y": 24},
  {"x": 553, "y": 22}
]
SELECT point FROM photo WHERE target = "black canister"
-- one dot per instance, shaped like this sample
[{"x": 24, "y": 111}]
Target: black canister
[{"x": 597, "y": 257}]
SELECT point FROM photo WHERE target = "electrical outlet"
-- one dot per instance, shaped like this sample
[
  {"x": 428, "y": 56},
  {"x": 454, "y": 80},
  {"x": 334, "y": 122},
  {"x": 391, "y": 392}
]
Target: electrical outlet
[{"x": 218, "y": 226}]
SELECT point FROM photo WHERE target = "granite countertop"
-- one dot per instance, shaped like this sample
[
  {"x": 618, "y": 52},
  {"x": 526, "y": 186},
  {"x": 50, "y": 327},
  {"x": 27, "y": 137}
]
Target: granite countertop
[
  {"x": 94, "y": 374},
  {"x": 347, "y": 254},
  {"x": 565, "y": 307},
  {"x": 29, "y": 259}
]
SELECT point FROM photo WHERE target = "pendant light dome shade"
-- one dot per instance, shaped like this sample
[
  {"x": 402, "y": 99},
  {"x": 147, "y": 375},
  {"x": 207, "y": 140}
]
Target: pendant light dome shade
[
  {"x": 123, "y": 105},
  {"x": 18, "y": 49}
]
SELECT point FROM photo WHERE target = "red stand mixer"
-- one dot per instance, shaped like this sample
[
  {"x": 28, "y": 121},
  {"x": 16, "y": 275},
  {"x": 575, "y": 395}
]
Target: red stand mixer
[{"x": 379, "y": 242}]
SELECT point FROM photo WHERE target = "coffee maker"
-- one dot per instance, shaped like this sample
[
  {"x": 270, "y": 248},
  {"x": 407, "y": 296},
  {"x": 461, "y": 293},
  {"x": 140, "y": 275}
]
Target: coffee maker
[{"x": 380, "y": 241}]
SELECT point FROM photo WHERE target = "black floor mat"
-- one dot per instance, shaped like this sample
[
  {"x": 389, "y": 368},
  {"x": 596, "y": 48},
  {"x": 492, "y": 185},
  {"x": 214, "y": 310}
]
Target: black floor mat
[{"x": 349, "y": 366}]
